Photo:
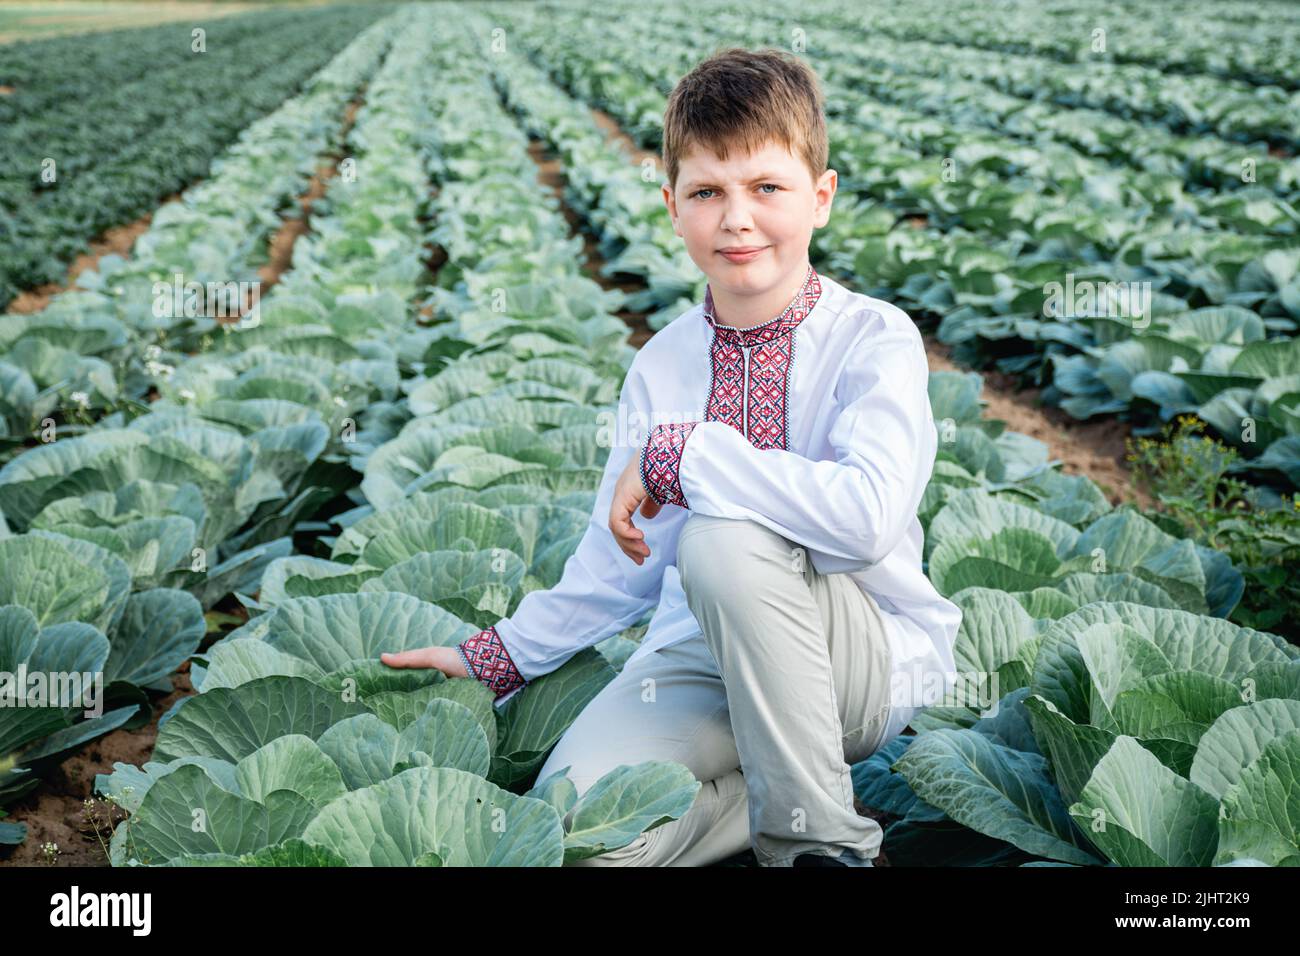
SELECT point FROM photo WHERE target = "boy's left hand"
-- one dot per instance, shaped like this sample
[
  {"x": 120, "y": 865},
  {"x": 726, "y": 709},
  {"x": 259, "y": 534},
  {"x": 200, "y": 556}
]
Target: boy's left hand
[
  {"x": 629, "y": 493},
  {"x": 443, "y": 658}
]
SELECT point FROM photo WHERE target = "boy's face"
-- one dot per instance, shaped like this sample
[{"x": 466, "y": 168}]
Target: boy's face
[{"x": 765, "y": 199}]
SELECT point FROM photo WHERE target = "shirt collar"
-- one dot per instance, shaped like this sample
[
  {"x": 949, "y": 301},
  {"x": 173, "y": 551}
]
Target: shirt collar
[{"x": 794, "y": 313}]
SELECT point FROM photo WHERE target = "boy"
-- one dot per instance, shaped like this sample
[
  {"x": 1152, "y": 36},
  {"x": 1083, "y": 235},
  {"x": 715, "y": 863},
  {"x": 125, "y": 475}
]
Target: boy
[{"x": 790, "y": 441}]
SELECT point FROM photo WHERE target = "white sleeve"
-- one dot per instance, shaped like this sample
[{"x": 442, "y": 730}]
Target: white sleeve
[
  {"x": 600, "y": 592},
  {"x": 850, "y": 512}
]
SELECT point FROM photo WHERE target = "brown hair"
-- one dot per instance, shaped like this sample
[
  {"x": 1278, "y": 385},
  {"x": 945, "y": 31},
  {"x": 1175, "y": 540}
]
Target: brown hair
[{"x": 746, "y": 98}]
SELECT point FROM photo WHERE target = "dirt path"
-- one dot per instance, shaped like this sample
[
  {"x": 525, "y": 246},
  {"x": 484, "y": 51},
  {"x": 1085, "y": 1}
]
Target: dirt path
[
  {"x": 1095, "y": 449},
  {"x": 550, "y": 173},
  {"x": 51, "y": 18},
  {"x": 280, "y": 246},
  {"x": 615, "y": 133}
]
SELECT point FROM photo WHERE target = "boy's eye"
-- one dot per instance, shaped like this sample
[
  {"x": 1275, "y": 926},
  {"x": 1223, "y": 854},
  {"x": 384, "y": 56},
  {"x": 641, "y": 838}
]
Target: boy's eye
[{"x": 775, "y": 188}]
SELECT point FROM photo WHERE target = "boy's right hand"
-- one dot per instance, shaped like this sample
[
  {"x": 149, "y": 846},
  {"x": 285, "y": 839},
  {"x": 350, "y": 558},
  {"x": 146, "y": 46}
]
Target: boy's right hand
[{"x": 629, "y": 494}]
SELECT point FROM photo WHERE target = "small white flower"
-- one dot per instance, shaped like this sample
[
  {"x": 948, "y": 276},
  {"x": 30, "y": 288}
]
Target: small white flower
[
  {"x": 81, "y": 398},
  {"x": 338, "y": 400},
  {"x": 187, "y": 394},
  {"x": 152, "y": 352}
]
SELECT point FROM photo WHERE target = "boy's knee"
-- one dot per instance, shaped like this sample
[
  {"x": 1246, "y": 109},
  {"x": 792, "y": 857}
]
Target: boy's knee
[
  {"x": 718, "y": 554},
  {"x": 698, "y": 524},
  {"x": 730, "y": 539}
]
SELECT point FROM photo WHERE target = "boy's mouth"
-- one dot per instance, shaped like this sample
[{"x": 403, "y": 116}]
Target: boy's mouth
[{"x": 741, "y": 253}]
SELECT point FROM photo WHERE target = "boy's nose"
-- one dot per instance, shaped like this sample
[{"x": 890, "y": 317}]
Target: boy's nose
[
  {"x": 736, "y": 215},
  {"x": 734, "y": 219}
]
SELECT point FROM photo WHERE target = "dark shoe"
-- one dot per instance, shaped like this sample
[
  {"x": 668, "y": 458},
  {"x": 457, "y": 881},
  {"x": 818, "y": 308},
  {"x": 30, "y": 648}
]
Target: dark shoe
[
  {"x": 821, "y": 859},
  {"x": 816, "y": 859},
  {"x": 743, "y": 858}
]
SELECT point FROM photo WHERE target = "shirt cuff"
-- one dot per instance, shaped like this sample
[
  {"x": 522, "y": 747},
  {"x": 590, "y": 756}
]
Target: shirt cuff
[
  {"x": 487, "y": 661},
  {"x": 661, "y": 462}
]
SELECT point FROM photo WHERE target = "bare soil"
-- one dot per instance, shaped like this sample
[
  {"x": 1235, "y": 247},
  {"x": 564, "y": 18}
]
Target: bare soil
[
  {"x": 616, "y": 133},
  {"x": 55, "y": 812}
]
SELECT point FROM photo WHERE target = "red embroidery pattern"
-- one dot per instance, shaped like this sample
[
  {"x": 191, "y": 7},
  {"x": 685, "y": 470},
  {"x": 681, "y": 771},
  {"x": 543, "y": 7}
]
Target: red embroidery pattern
[
  {"x": 661, "y": 459},
  {"x": 486, "y": 658},
  {"x": 771, "y": 357},
  {"x": 769, "y": 374},
  {"x": 726, "y": 383}
]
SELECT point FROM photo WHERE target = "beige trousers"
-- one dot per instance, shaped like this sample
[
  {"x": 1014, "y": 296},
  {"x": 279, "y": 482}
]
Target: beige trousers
[{"x": 784, "y": 689}]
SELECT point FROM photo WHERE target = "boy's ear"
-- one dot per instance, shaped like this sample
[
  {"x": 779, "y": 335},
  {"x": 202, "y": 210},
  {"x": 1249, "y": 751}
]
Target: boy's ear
[
  {"x": 671, "y": 202},
  {"x": 824, "y": 192}
]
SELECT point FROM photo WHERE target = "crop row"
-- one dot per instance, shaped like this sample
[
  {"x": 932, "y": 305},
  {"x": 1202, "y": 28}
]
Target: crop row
[
  {"x": 1244, "y": 43},
  {"x": 990, "y": 93},
  {"x": 985, "y": 162},
  {"x": 618, "y": 199},
  {"x": 84, "y": 148}
]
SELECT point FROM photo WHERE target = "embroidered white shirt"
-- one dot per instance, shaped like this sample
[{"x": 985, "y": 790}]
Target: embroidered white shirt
[{"x": 817, "y": 425}]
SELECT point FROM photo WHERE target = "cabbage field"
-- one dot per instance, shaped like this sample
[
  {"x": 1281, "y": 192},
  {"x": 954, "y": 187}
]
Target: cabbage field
[{"x": 437, "y": 240}]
